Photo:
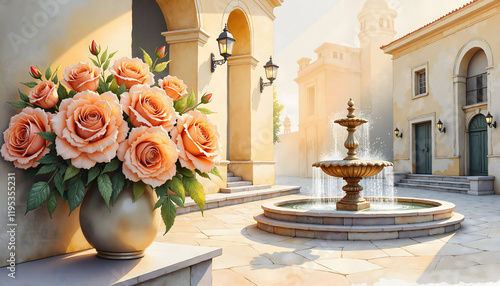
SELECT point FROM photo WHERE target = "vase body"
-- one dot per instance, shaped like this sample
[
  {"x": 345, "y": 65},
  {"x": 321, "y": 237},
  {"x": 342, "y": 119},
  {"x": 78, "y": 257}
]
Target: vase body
[{"x": 126, "y": 229}]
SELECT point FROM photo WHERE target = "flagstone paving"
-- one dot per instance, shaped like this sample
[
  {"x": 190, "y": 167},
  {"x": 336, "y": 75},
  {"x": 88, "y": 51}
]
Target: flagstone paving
[{"x": 254, "y": 257}]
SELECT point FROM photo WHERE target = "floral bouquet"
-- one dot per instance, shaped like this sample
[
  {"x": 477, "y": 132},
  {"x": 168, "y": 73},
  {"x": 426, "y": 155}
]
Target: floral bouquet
[{"x": 112, "y": 131}]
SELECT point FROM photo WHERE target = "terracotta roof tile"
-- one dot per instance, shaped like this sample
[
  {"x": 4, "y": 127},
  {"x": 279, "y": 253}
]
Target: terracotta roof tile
[{"x": 439, "y": 19}]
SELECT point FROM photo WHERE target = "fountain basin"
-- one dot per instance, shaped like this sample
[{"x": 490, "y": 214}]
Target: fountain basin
[
  {"x": 438, "y": 218},
  {"x": 352, "y": 168}
]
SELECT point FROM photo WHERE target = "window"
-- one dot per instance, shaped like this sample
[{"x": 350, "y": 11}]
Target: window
[
  {"x": 476, "y": 89},
  {"x": 334, "y": 55},
  {"x": 420, "y": 81},
  {"x": 311, "y": 100}
]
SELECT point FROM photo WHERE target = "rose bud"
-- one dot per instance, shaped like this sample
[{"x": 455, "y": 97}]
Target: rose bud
[
  {"x": 94, "y": 48},
  {"x": 206, "y": 98},
  {"x": 35, "y": 72},
  {"x": 160, "y": 53}
]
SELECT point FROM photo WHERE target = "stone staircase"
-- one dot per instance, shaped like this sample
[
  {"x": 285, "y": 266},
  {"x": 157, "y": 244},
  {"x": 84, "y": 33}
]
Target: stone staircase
[
  {"x": 472, "y": 185},
  {"x": 236, "y": 185}
]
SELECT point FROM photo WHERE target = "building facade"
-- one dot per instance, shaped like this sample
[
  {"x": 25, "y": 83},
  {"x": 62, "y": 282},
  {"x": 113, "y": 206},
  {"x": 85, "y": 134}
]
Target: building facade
[
  {"x": 342, "y": 72},
  {"x": 447, "y": 72},
  {"x": 59, "y": 32}
]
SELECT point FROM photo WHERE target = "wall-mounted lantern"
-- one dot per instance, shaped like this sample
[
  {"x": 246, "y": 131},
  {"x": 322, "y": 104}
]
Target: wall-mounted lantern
[
  {"x": 490, "y": 122},
  {"x": 271, "y": 74},
  {"x": 441, "y": 127},
  {"x": 399, "y": 134},
  {"x": 226, "y": 44}
]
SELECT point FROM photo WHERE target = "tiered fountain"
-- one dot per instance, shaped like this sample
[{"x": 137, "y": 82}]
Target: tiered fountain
[{"x": 352, "y": 218}]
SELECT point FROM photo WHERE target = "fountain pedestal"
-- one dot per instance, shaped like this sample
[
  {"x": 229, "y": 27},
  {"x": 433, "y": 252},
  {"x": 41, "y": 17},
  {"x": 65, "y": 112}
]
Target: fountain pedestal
[{"x": 352, "y": 201}]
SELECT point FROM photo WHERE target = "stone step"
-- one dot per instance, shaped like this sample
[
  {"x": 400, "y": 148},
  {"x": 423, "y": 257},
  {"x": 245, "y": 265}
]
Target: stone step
[
  {"x": 434, "y": 188},
  {"x": 233, "y": 179},
  {"x": 244, "y": 188},
  {"x": 238, "y": 184},
  {"x": 437, "y": 183},
  {"x": 230, "y": 174},
  {"x": 438, "y": 178}
]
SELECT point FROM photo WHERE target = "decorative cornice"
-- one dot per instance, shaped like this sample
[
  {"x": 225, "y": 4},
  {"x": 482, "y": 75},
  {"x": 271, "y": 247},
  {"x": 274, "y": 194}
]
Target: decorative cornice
[
  {"x": 268, "y": 6},
  {"x": 187, "y": 35},
  {"x": 242, "y": 60}
]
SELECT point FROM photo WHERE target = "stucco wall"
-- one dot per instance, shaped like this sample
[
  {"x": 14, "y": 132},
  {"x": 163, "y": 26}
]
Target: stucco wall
[
  {"x": 286, "y": 155},
  {"x": 443, "y": 52}
]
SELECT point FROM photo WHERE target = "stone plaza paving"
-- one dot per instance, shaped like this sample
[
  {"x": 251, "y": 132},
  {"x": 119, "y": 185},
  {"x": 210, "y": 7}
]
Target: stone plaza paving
[{"x": 254, "y": 257}]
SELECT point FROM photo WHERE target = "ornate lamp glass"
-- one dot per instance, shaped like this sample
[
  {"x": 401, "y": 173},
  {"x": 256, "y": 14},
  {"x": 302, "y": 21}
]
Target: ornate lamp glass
[
  {"x": 271, "y": 74},
  {"x": 226, "y": 45}
]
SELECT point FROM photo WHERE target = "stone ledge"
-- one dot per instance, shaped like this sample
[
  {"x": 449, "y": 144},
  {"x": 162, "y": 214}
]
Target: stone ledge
[{"x": 180, "y": 264}]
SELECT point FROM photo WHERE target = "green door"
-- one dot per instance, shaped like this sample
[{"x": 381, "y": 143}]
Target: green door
[
  {"x": 478, "y": 148},
  {"x": 423, "y": 148}
]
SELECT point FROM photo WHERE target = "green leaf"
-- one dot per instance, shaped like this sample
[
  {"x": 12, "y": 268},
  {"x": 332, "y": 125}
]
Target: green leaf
[
  {"x": 70, "y": 172},
  {"x": 147, "y": 58},
  {"x": 191, "y": 101},
  {"x": 185, "y": 172},
  {"x": 195, "y": 190},
  {"x": 109, "y": 78},
  {"x": 23, "y": 96},
  {"x": 37, "y": 195},
  {"x": 121, "y": 89},
  {"x": 45, "y": 169},
  {"x": 94, "y": 61},
  {"x": 48, "y": 73},
  {"x": 204, "y": 175},
  {"x": 113, "y": 86},
  {"x": 71, "y": 93},
  {"x": 106, "y": 65},
  {"x": 103, "y": 86},
  {"x": 55, "y": 80},
  {"x": 50, "y": 158},
  {"x": 178, "y": 188},
  {"x": 51, "y": 205},
  {"x": 112, "y": 54},
  {"x": 204, "y": 110},
  {"x": 62, "y": 92},
  {"x": 30, "y": 84},
  {"x": 104, "y": 56},
  {"x": 49, "y": 136},
  {"x": 76, "y": 192},
  {"x": 18, "y": 104},
  {"x": 178, "y": 201},
  {"x": 93, "y": 173},
  {"x": 161, "y": 67},
  {"x": 180, "y": 104},
  {"x": 163, "y": 189},
  {"x": 168, "y": 212},
  {"x": 111, "y": 166},
  {"x": 160, "y": 202},
  {"x": 57, "y": 69},
  {"x": 31, "y": 173},
  {"x": 59, "y": 179},
  {"x": 215, "y": 171},
  {"x": 105, "y": 187},
  {"x": 118, "y": 181},
  {"x": 138, "y": 189}
]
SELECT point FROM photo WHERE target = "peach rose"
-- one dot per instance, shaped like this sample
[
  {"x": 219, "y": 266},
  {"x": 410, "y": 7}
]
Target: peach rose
[
  {"x": 131, "y": 72},
  {"x": 197, "y": 140},
  {"x": 148, "y": 155},
  {"x": 174, "y": 87},
  {"x": 89, "y": 128},
  {"x": 23, "y": 145},
  {"x": 149, "y": 106},
  {"x": 82, "y": 77},
  {"x": 44, "y": 94}
]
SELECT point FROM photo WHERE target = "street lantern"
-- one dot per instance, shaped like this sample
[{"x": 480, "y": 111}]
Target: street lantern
[
  {"x": 226, "y": 45},
  {"x": 397, "y": 133},
  {"x": 489, "y": 121},
  {"x": 440, "y": 127},
  {"x": 271, "y": 74}
]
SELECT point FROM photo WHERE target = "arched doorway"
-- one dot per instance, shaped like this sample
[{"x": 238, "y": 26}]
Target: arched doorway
[{"x": 478, "y": 147}]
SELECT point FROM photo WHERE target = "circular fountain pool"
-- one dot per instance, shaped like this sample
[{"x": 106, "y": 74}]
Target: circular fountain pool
[{"x": 407, "y": 217}]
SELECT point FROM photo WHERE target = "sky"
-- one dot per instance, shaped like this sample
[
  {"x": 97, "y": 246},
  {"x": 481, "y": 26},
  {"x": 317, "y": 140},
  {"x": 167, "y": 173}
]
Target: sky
[{"x": 303, "y": 25}]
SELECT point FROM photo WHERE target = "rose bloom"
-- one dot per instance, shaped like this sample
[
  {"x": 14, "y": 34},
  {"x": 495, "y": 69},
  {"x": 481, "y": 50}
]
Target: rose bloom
[
  {"x": 44, "y": 94},
  {"x": 89, "y": 128},
  {"x": 198, "y": 141},
  {"x": 131, "y": 72},
  {"x": 82, "y": 77},
  {"x": 149, "y": 106},
  {"x": 174, "y": 87},
  {"x": 23, "y": 145},
  {"x": 148, "y": 155}
]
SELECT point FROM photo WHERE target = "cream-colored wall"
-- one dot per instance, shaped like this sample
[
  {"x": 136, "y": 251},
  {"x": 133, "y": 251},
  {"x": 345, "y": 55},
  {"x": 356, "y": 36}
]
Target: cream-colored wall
[
  {"x": 286, "y": 155},
  {"x": 42, "y": 33},
  {"x": 441, "y": 54}
]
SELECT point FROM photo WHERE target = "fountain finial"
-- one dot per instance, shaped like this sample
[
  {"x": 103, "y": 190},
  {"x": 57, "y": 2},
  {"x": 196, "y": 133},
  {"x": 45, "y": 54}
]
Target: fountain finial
[{"x": 351, "y": 109}]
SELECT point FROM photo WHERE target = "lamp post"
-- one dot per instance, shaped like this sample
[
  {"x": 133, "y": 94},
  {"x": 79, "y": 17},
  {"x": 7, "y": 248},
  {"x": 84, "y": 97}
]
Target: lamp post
[
  {"x": 271, "y": 74},
  {"x": 226, "y": 44}
]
